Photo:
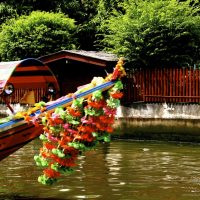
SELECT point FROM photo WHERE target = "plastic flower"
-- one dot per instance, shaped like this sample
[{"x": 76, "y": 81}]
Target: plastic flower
[
  {"x": 70, "y": 131},
  {"x": 116, "y": 95},
  {"x": 73, "y": 112},
  {"x": 109, "y": 110},
  {"x": 51, "y": 173}
]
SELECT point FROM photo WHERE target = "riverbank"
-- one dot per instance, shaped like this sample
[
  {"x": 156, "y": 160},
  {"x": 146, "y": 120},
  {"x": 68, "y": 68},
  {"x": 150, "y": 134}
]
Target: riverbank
[
  {"x": 160, "y": 111},
  {"x": 165, "y": 122}
]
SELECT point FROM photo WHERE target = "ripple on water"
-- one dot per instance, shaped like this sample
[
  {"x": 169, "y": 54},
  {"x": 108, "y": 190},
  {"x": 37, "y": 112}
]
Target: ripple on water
[{"x": 119, "y": 170}]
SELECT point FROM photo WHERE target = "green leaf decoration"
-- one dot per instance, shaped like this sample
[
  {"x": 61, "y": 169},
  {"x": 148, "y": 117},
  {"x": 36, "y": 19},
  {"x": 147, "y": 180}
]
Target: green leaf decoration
[
  {"x": 74, "y": 122},
  {"x": 78, "y": 103},
  {"x": 40, "y": 104},
  {"x": 113, "y": 103},
  {"x": 59, "y": 111},
  {"x": 43, "y": 137},
  {"x": 94, "y": 134},
  {"x": 66, "y": 170},
  {"x": 118, "y": 86},
  {"x": 40, "y": 161},
  {"x": 93, "y": 111},
  {"x": 44, "y": 121},
  {"x": 63, "y": 170},
  {"x": 46, "y": 181},
  {"x": 58, "y": 152},
  {"x": 97, "y": 95},
  {"x": 107, "y": 138},
  {"x": 56, "y": 129}
]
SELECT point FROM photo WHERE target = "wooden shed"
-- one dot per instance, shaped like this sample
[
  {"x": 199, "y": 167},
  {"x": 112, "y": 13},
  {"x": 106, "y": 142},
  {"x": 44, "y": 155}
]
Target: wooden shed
[
  {"x": 29, "y": 79},
  {"x": 74, "y": 68}
]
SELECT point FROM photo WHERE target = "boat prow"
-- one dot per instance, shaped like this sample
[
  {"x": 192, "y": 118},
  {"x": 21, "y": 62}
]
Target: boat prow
[
  {"x": 15, "y": 133},
  {"x": 24, "y": 126},
  {"x": 16, "y": 137}
]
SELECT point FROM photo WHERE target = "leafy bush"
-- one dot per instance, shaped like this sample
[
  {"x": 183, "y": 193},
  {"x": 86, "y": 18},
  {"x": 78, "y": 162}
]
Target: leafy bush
[
  {"x": 81, "y": 11},
  {"x": 105, "y": 9},
  {"x": 35, "y": 35},
  {"x": 6, "y": 12},
  {"x": 155, "y": 33}
]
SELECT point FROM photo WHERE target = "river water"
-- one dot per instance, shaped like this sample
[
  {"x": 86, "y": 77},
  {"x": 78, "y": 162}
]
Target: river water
[{"x": 121, "y": 170}]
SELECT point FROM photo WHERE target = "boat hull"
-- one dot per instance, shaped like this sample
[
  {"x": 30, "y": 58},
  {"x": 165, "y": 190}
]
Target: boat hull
[
  {"x": 13, "y": 139},
  {"x": 16, "y": 133}
]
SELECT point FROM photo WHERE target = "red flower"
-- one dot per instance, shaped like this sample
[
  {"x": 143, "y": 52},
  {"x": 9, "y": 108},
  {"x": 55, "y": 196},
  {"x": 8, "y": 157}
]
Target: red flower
[
  {"x": 27, "y": 118},
  {"x": 88, "y": 137},
  {"x": 109, "y": 111},
  {"x": 68, "y": 162},
  {"x": 45, "y": 154},
  {"x": 109, "y": 129},
  {"x": 116, "y": 95},
  {"x": 96, "y": 104},
  {"x": 73, "y": 112},
  {"x": 58, "y": 121},
  {"x": 86, "y": 129},
  {"x": 51, "y": 173},
  {"x": 49, "y": 146},
  {"x": 106, "y": 120}
]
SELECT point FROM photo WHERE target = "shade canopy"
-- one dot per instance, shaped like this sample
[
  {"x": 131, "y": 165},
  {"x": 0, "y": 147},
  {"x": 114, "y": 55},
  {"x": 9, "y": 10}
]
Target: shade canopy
[{"x": 26, "y": 74}]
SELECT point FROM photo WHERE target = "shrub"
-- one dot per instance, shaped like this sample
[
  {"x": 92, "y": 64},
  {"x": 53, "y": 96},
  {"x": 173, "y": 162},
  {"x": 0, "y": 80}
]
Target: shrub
[
  {"x": 6, "y": 12},
  {"x": 35, "y": 35},
  {"x": 155, "y": 33}
]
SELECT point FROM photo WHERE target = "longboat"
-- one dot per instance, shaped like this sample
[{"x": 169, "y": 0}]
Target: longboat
[{"x": 15, "y": 133}]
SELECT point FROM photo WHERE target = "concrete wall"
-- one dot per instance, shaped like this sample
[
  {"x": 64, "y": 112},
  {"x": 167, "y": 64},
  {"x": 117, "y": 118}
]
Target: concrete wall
[
  {"x": 163, "y": 122},
  {"x": 160, "y": 111}
]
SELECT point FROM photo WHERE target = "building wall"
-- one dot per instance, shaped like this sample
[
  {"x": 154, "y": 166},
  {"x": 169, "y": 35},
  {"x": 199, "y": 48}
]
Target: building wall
[{"x": 72, "y": 74}]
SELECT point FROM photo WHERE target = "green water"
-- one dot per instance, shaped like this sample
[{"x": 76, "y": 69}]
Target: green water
[{"x": 121, "y": 170}]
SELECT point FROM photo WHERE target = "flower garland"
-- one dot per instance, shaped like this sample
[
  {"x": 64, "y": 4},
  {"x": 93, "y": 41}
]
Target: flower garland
[{"x": 70, "y": 131}]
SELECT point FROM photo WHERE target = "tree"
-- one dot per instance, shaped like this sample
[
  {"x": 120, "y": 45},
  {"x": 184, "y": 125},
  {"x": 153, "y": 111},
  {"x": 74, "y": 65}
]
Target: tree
[
  {"x": 155, "y": 33},
  {"x": 105, "y": 10},
  {"x": 35, "y": 35},
  {"x": 87, "y": 15},
  {"x": 81, "y": 11},
  {"x": 6, "y": 12},
  {"x": 26, "y": 7}
]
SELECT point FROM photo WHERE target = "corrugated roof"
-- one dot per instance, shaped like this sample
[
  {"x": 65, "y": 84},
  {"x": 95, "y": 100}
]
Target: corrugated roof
[
  {"x": 95, "y": 54},
  {"x": 98, "y": 58}
]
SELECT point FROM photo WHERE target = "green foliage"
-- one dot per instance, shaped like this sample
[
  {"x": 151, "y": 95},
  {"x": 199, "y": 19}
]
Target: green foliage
[
  {"x": 81, "y": 11},
  {"x": 105, "y": 10},
  {"x": 6, "y": 12},
  {"x": 87, "y": 14},
  {"x": 26, "y": 7},
  {"x": 35, "y": 35},
  {"x": 155, "y": 33}
]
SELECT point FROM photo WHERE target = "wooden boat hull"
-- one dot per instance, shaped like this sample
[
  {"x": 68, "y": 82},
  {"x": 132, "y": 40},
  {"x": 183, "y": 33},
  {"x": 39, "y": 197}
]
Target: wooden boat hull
[
  {"x": 17, "y": 132},
  {"x": 13, "y": 139}
]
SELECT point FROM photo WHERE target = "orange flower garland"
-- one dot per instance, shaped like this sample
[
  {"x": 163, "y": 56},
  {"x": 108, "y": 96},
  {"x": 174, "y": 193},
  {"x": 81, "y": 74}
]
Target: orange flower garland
[{"x": 68, "y": 132}]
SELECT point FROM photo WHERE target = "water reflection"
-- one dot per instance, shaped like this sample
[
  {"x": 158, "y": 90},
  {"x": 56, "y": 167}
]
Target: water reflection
[{"x": 119, "y": 170}]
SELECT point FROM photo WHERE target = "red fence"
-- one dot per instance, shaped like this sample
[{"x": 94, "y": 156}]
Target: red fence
[{"x": 162, "y": 85}]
